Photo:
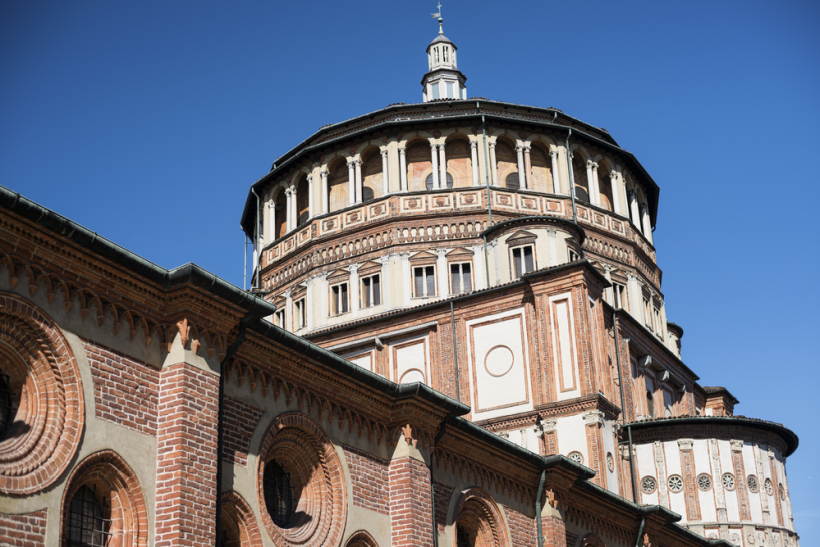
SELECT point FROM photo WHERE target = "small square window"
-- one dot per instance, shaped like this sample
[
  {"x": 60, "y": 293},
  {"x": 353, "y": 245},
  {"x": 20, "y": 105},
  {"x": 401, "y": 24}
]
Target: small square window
[
  {"x": 523, "y": 260},
  {"x": 461, "y": 278},
  {"x": 424, "y": 281},
  {"x": 339, "y": 300},
  {"x": 371, "y": 291}
]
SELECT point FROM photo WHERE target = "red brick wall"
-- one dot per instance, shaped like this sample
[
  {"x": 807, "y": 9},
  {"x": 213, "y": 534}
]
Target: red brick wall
[
  {"x": 410, "y": 503},
  {"x": 125, "y": 391},
  {"x": 443, "y": 494},
  {"x": 27, "y": 530},
  {"x": 522, "y": 528},
  {"x": 240, "y": 421},
  {"x": 368, "y": 476},
  {"x": 186, "y": 456}
]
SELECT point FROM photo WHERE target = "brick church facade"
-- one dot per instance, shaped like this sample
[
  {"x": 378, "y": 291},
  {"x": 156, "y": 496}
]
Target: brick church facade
[{"x": 456, "y": 336}]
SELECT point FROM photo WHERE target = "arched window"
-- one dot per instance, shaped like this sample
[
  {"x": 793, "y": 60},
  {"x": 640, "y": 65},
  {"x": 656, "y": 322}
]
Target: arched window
[
  {"x": 372, "y": 177},
  {"x": 88, "y": 520},
  {"x": 506, "y": 162},
  {"x": 419, "y": 165},
  {"x": 238, "y": 527},
  {"x": 302, "y": 201},
  {"x": 280, "y": 215},
  {"x": 579, "y": 173},
  {"x": 459, "y": 162},
  {"x": 428, "y": 182},
  {"x": 479, "y": 522},
  {"x": 337, "y": 185}
]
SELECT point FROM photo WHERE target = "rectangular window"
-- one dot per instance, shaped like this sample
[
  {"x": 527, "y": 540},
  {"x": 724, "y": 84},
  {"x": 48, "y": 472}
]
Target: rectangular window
[
  {"x": 573, "y": 255},
  {"x": 668, "y": 403},
  {"x": 300, "y": 313},
  {"x": 435, "y": 90},
  {"x": 461, "y": 278},
  {"x": 371, "y": 291},
  {"x": 523, "y": 260},
  {"x": 647, "y": 312},
  {"x": 618, "y": 291},
  {"x": 279, "y": 318},
  {"x": 339, "y": 299},
  {"x": 451, "y": 90},
  {"x": 424, "y": 281}
]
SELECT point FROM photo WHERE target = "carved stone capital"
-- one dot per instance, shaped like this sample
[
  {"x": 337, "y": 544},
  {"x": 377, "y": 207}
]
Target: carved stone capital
[
  {"x": 594, "y": 417},
  {"x": 685, "y": 444},
  {"x": 737, "y": 445}
]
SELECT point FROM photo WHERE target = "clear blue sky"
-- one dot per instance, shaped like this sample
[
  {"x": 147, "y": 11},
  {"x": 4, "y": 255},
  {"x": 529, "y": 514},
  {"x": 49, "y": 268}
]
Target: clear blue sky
[{"x": 147, "y": 121}]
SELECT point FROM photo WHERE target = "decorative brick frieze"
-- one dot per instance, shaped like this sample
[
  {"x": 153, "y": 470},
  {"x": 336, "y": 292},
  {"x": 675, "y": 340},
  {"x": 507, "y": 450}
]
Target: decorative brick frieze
[
  {"x": 186, "y": 456},
  {"x": 23, "y": 530},
  {"x": 239, "y": 423},
  {"x": 368, "y": 476},
  {"x": 125, "y": 390}
]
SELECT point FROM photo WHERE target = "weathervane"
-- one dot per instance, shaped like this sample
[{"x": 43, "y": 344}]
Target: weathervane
[{"x": 437, "y": 16}]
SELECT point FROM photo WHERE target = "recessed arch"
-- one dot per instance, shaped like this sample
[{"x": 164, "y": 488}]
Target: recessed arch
[
  {"x": 104, "y": 502},
  {"x": 419, "y": 164},
  {"x": 459, "y": 160},
  {"x": 239, "y": 527},
  {"x": 540, "y": 178},
  {"x": 506, "y": 163},
  {"x": 372, "y": 176},
  {"x": 280, "y": 212},
  {"x": 605, "y": 186},
  {"x": 478, "y": 521},
  {"x": 579, "y": 174},
  {"x": 337, "y": 182},
  {"x": 361, "y": 538},
  {"x": 302, "y": 200}
]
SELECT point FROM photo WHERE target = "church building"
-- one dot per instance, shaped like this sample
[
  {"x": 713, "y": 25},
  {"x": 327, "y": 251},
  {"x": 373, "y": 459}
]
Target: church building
[{"x": 456, "y": 336}]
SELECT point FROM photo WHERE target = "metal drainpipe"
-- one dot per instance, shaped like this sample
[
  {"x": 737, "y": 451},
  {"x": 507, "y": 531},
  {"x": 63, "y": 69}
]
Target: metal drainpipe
[
  {"x": 455, "y": 350},
  {"x": 436, "y": 439},
  {"x": 571, "y": 178},
  {"x": 244, "y": 261},
  {"x": 256, "y": 245},
  {"x": 538, "y": 495},
  {"x": 220, "y": 425},
  {"x": 615, "y": 328},
  {"x": 640, "y": 532}
]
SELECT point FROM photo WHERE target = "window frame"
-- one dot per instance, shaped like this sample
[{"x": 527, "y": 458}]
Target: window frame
[
  {"x": 336, "y": 298},
  {"x": 425, "y": 283},
  {"x": 375, "y": 297},
  {"x": 460, "y": 264},
  {"x": 514, "y": 271},
  {"x": 300, "y": 313}
]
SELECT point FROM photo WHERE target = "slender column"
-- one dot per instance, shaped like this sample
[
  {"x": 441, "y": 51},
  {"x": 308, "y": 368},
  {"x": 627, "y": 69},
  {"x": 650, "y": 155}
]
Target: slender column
[
  {"x": 442, "y": 167},
  {"x": 357, "y": 164},
  {"x": 474, "y": 160},
  {"x": 323, "y": 173},
  {"x": 434, "y": 159},
  {"x": 403, "y": 167},
  {"x": 493, "y": 165},
  {"x": 289, "y": 322},
  {"x": 647, "y": 225},
  {"x": 289, "y": 224},
  {"x": 270, "y": 225},
  {"x": 406, "y": 275},
  {"x": 634, "y": 213},
  {"x": 292, "y": 213},
  {"x": 480, "y": 271},
  {"x": 527, "y": 164},
  {"x": 351, "y": 180},
  {"x": 617, "y": 188},
  {"x": 385, "y": 171},
  {"x": 556, "y": 171},
  {"x": 592, "y": 178},
  {"x": 442, "y": 273},
  {"x": 311, "y": 188},
  {"x": 519, "y": 154},
  {"x": 354, "y": 287}
]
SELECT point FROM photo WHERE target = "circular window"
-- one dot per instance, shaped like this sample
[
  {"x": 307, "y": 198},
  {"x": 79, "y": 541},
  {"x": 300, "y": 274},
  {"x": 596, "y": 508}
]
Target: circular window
[
  {"x": 752, "y": 484},
  {"x": 728, "y": 481},
  {"x": 576, "y": 456},
  {"x": 767, "y": 485},
  {"x": 704, "y": 481},
  {"x": 648, "y": 484},
  {"x": 499, "y": 361},
  {"x": 300, "y": 483},
  {"x": 610, "y": 462},
  {"x": 675, "y": 483},
  {"x": 41, "y": 399}
]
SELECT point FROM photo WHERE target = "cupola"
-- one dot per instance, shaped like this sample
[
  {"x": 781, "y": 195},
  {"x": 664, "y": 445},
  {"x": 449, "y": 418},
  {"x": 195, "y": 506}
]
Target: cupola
[{"x": 443, "y": 79}]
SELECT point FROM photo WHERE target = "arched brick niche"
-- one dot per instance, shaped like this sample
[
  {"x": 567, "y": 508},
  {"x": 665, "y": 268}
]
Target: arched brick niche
[
  {"x": 300, "y": 484},
  {"x": 103, "y": 502},
  {"x": 361, "y": 539},
  {"x": 239, "y": 527},
  {"x": 41, "y": 398},
  {"x": 591, "y": 540},
  {"x": 479, "y": 522}
]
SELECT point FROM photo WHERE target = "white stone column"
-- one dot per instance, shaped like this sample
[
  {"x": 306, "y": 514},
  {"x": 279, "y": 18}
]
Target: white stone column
[
  {"x": 634, "y": 296},
  {"x": 385, "y": 171},
  {"x": 519, "y": 155},
  {"x": 592, "y": 179},
  {"x": 354, "y": 287},
  {"x": 493, "y": 165},
  {"x": 407, "y": 278},
  {"x": 357, "y": 164},
  {"x": 474, "y": 159},
  {"x": 289, "y": 220},
  {"x": 442, "y": 273},
  {"x": 527, "y": 164},
  {"x": 617, "y": 188},
  {"x": 288, "y": 323},
  {"x": 351, "y": 180},
  {"x": 555, "y": 171},
  {"x": 269, "y": 224},
  {"x": 323, "y": 173},
  {"x": 480, "y": 272},
  {"x": 633, "y": 209},
  {"x": 434, "y": 159},
  {"x": 403, "y": 167},
  {"x": 311, "y": 189},
  {"x": 442, "y": 178},
  {"x": 647, "y": 224}
]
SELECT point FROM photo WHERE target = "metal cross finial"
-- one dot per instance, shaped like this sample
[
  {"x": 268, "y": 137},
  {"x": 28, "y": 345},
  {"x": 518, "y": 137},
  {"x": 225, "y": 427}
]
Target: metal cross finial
[{"x": 439, "y": 18}]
